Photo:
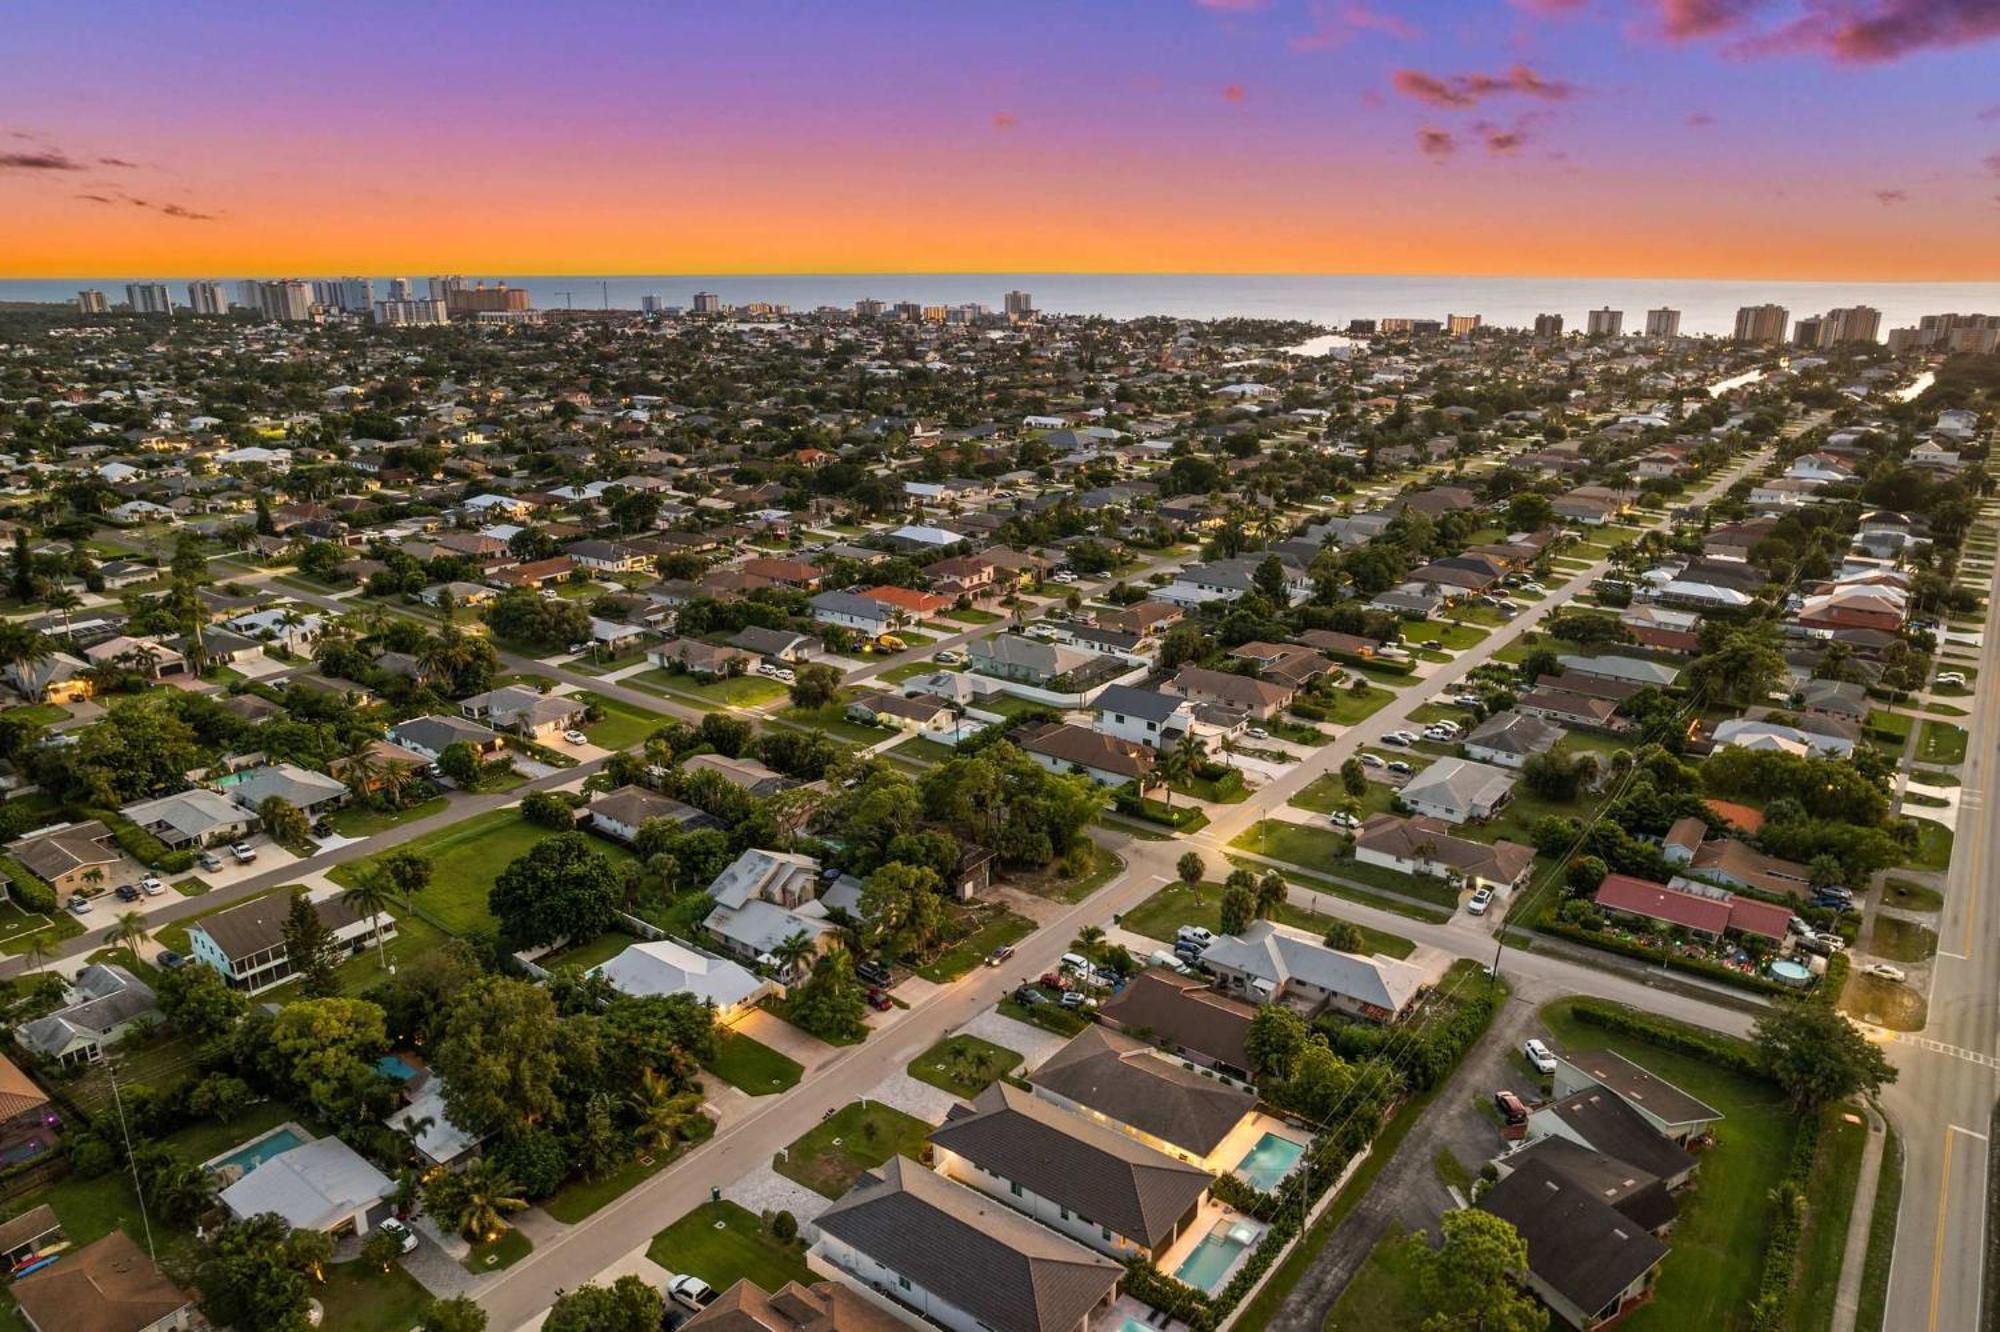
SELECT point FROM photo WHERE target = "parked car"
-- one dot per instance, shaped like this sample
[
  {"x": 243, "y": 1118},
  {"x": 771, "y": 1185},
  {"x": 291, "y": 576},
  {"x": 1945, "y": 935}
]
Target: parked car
[
  {"x": 575, "y": 738},
  {"x": 690, "y": 1292},
  {"x": 1955, "y": 679},
  {"x": 1466, "y": 700},
  {"x": 1194, "y": 934},
  {"x": 406, "y": 1239},
  {"x": 1539, "y": 1056},
  {"x": 208, "y": 860},
  {"x": 1510, "y": 1106},
  {"x": 1256, "y": 733},
  {"x": 948, "y": 657},
  {"x": 80, "y": 904},
  {"x": 1886, "y": 972},
  {"x": 1481, "y": 899},
  {"x": 1075, "y": 964},
  {"x": 1441, "y": 733},
  {"x": 1398, "y": 739},
  {"x": 168, "y": 959},
  {"x": 872, "y": 972},
  {"x": 1371, "y": 760},
  {"x": 1076, "y": 999},
  {"x": 1433, "y": 645},
  {"x": 1340, "y": 818},
  {"x": 880, "y": 1001},
  {"x": 1826, "y": 945},
  {"x": 1187, "y": 949},
  {"x": 151, "y": 886},
  {"x": 243, "y": 851},
  {"x": 127, "y": 892},
  {"x": 1400, "y": 768},
  {"x": 1028, "y": 996}
]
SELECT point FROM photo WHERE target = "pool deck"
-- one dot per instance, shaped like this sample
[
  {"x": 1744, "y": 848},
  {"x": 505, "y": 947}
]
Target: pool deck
[
  {"x": 1204, "y": 1222},
  {"x": 1244, "y": 1139},
  {"x": 297, "y": 1130},
  {"x": 1124, "y": 1307}
]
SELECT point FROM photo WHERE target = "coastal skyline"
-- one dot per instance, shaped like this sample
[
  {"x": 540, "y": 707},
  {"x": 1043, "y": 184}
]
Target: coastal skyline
[{"x": 1544, "y": 138}]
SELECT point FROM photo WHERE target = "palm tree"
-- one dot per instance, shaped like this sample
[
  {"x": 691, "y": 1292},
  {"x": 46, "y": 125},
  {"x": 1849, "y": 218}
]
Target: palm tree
[
  {"x": 363, "y": 769},
  {"x": 483, "y": 1197},
  {"x": 370, "y": 894},
  {"x": 21, "y": 649},
  {"x": 130, "y": 931},
  {"x": 792, "y": 950},
  {"x": 1088, "y": 940},
  {"x": 661, "y": 1111},
  {"x": 60, "y": 598},
  {"x": 38, "y": 951}
]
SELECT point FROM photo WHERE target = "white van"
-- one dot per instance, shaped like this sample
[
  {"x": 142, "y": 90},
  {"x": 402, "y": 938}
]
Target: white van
[
  {"x": 1076, "y": 964},
  {"x": 1198, "y": 934}
]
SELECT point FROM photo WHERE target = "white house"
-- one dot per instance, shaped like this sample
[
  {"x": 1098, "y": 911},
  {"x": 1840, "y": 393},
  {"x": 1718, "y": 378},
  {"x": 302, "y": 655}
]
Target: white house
[{"x": 1456, "y": 790}]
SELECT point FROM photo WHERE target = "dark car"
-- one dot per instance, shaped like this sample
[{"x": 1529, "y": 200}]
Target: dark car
[
  {"x": 1028, "y": 996},
  {"x": 880, "y": 1001},
  {"x": 128, "y": 893},
  {"x": 169, "y": 959},
  {"x": 1510, "y": 1106},
  {"x": 874, "y": 973}
]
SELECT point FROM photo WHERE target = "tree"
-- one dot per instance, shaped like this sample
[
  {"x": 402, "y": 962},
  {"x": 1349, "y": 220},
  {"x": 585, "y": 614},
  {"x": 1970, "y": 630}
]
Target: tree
[
  {"x": 497, "y": 1055},
  {"x": 626, "y": 1305},
  {"x": 1743, "y": 669},
  {"x": 381, "y": 1249},
  {"x": 546, "y": 809},
  {"x": 474, "y": 1201},
  {"x": 460, "y": 762},
  {"x": 286, "y": 822},
  {"x": 325, "y": 1046},
  {"x": 131, "y": 931},
  {"x": 1274, "y": 1040},
  {"x": 815, "y": 685},
  {"x": 1271, "y": 891},
  {"x": 1345, "y": 936},
  {"x": 661, "y": 1114},
  {"x": 1817, "y": 1055},
  {"x": 369, "y": 895},
  {"x": 1269, "y": 577},
  {"x": 254, "y": 1274},
  {"x": 198, "y": 1002},
  {"x": 829, "y": 1003},
  {"x": 1472, "y": 1282},
  {"x": 561, "y": 888},
  {"x": 460, "y": 1313},
  {"x": 792, "y": 951},
  {"x": 1354, "y": 778},
  {"x": 1239, "y": 908},
  {"x": 1190, "y": 867},
  {"x": 409, "y": 871},
  {"x": 309, "y": 946}
]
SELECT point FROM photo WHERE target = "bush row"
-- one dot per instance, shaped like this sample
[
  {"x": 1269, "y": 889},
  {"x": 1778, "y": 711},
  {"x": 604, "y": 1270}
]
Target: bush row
[
  {"x": 1679, "y": 1038},
  {"x": 1772, "y": 1307},
  {"x": 30, "y": 892},
  {"x": 1697, "y": 966}
]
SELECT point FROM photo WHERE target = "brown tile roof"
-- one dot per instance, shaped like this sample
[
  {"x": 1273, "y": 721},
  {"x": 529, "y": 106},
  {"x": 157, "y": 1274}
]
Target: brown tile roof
[
  {"x": 1085, "y": 748},
  {"x": 1185, "y": 1011},
  {"x": 828, "y": 1306},
  {"x": 109, "y": 1286},
  {"x": 1125, "y": 1080}
]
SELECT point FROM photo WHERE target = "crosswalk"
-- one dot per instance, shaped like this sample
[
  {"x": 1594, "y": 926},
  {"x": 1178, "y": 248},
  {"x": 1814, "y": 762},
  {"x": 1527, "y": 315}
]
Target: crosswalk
[{"x": 1953, "y": 1051}]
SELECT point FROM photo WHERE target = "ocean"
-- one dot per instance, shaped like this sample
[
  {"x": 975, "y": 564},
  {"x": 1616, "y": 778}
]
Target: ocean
[{"x": 1706, "y": 306}]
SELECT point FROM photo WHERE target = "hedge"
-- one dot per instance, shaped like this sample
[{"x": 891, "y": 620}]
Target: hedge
[
  {"x": 1696, "y": 966},
  {"x": 29, "y": 891},
  {"x": 1771, "y": 1308},
  {"x": 135, "y": 841},
  {"x": 1676, "y": 1037}
]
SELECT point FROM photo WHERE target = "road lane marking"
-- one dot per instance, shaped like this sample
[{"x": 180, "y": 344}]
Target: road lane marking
[
  {"x": 1944, "y": 1202},
  {"x": 1954, "y": 1051}
]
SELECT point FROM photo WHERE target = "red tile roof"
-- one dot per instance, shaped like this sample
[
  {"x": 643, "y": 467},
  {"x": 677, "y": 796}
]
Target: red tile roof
[{"x": 1656, "y": 901}]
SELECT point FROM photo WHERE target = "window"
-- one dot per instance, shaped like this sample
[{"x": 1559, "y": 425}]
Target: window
[
  {"x": 1064, "y": 1211},
  {"x": 1014, "y": 1189},
  {"x": 903, "y": 1281},
  {"x": 1106, "y": 1230}
]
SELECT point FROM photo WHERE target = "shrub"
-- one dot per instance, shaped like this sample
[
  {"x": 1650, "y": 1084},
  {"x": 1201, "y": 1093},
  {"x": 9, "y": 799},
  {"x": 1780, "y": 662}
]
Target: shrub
[
  {"x": 536, "y": 1161},
  {"x": 785, "y": 1227},
  {"x": 29, "y": 891},
  {"x": 1724, "y": 1051}
]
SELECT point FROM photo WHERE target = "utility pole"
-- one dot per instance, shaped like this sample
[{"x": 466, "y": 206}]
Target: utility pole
[
  {"x": 138, "y": 1190},
  {"x": 606, "y": 286},
  {"x": 569, "y": 299}
]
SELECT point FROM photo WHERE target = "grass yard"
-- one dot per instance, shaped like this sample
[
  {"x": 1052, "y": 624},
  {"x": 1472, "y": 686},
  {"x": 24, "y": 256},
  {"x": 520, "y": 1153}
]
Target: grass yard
[
  {"x": 971, "y": 616},
  {"x": 500, "y": 1254},
  {"x": 1383, "y": 1296},
  {"x": 369, "y": 1300},
  {"x": 910, "y": 670},
  {"x": 1318, "y": 850},
  {"x": 38, "y": 714},
  {"x": 581, "y": 1197},
  {"x": 1830, "y": 1198},
  {"x": 723, "y": 1243},
  {"x": 356, "y": 821},
  {"x": 1176, "y": 904},
  {"x": 1454, "y": 637},
  {"x": 1941, "y": 742},
  {"x": 619, "y": 724},
  {"x": 1716, "y": 1252},
  {"x": 829, "y": 1157},
  {"x": 596, "y": 953},
  {"x": 20, "y": 929},
  {"x": 833, "y": 720},
  {"x": 1326, "y": 793},
  {"x": 1881, "y": 1238},
  {"x": 1004, "y": 927},
  {"x": 466, "y": 858},
  {"x": 745, "y": 691},
  {"x": 1054, "y": 882},
  {"x": 1911, "y": 896},
  {"x": 964, "y": 1065},
  {"x": 1345, "y": 706},
  {"x": 1933, "y": 846},
  {"x": 1902, "y": 940},
  {"x": 752, "y": 1067}
]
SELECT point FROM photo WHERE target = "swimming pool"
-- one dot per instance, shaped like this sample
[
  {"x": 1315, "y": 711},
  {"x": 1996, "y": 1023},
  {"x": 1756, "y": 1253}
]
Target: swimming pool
[
  {"x": 259, "y": 1150},
  {"x": 1212, "y": 1259},
  {"x": 1267, "y": 1163},
  {"x": 1132, "y": 1324},
  {"x": 395, "y": 1066}
]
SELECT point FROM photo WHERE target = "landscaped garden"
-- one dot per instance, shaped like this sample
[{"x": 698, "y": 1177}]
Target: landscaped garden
[{"x": 964, "y": 1065}]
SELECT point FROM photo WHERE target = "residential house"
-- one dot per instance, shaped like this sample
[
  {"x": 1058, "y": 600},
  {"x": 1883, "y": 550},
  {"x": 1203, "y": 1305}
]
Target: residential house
[
  {"x": 1426, "y": 846},
  {"x": 524, "y": 711},
  {"x": 1268, "y": 964},
  {"x": 788, "y": 573},
  {"x": 1142, "y": 716},
  {"x": 745, "y": 773},
  {"x": 431, "y": 735},
  {"x": 826, "y": 1306},
  {"x": 322, "y": 1185},
  {"x": 618, "y": 814},
  {"x": 193, "y": 818},
  {"x": 1023, "y": 659},
  {"x": 609, "y": 557},
  {"x": 1127, "y": 1084},
  {"x": 109, "y": 1285},
  {"x": 668, "y": 966},
  {"x": 763, "y": 898},
  {"x": 1457, "y": 790},
  {"x": 66, "y": 855},
  {"x": 1285, "y": 664},
  {"x": 535, "y": 574},
  {"x": 1672, "y": 1112},
  {"x": 1758, "y": 734},
  {"x": 246, "y": 943},
  {"x": 1586, "y": 1260},
  {"x": 698, "y": 658},
  {"x": 912, "y": 605},
  {"x": 958, "y": 1258},
  {"x": 1565, "y": 707},
  {"x": 775, "y": 645},
  {"x": 1105, "y": 759},
  {"x": 1186, "y": 1016},
  {"x": 1708, "y": 913},
  {"x": 311, "y": 793},
  {"x": 104, "y": 1002},
  {"x": 1094, "y": 1184},
  {"x": 1635, "y": 671},
  {"x": 855, "y": 612},
  {"x": 1262, "y": 699},
  {"x": 1728, "y": 861},
  {"x": 147, "y": 657},
  {"x": 1510, "y": 738}
]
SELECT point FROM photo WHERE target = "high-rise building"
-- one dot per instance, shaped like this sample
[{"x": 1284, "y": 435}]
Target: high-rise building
[
  {"x": 287, "y": 299},
  {"x": 1762, "y": 323},
  {"x": 1663, "y": 323},
  {"x": 482, "y": 299},
  {"x": 250, "y": 294},
  {"x": 441, "y": 288},
  {"x": 909, "y": 311},
  {"x": 1853, "y": 323},
  {"x": 651, "y": 305},
  {"x": 398, "y": 312},
  {"x": 1606, "y": 323},
  {"x": 1361, "y": 328},
  {"x": 149, "y": 298},
  {"x": 90, "y": 302},
  {"x": 1809, "y": 332},
  {"x": 1461, "y": 325},
  {"x": 707, "y": 303},
  {"x": 357, "y": 294},
  {"x": 1020, "y": 305},
  {"x": 399, "y": 289},
  {"x": 1548, "y": 325},
  {"x": 868, "y": 308},
  {"x": 206, "y": 296}
]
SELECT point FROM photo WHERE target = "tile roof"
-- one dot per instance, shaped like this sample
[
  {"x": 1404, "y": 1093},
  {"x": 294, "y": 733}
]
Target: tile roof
[
  {"x": 1579, "y": 1246},
  {"x": 1127, "y": 1081}
]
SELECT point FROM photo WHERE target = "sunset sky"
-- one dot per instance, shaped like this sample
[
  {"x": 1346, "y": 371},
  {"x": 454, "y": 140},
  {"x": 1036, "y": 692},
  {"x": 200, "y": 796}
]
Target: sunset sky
[{"x": 1803, "y": 139}]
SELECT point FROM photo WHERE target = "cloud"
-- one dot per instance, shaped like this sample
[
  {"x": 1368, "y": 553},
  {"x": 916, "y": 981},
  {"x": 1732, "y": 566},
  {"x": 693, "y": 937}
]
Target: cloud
[
  {"x": 1890, "y": 197},
  {"x": 1436, "y": 144},
  {"x": 175, "y": 210},
  {"x": 1334, "y": 24},
  {"x": 1004, "y": 121},
  {"x": 1552, "y": 7},
  {"x": 1701, "y": 120},
  {"x": 1233, "y": 92},
  {"x": 1502, "y": 139},
  {"x": 116, "y": 162},
  {"x": 1464, "y": 90},
  {"x": 41, "y": 159},
  {"x": 1844, "y": 31},
  {"x": 1232, "y": 6},
  {"x": 1684, "y": 20},
  {"x": 1990, "y": 113}
]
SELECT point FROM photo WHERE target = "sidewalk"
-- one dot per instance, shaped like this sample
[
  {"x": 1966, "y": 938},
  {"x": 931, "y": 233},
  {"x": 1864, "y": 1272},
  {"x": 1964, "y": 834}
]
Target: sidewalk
[{"x": 1860, "y": 1220}]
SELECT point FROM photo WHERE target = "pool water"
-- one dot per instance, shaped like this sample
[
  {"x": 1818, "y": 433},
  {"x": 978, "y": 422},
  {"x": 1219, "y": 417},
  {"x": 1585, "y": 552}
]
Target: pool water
[
  {"x": 253, "y": 1154},
  {"x": 1267, "y": 1164},
  {"x": 395, "y": 1066},
  {"x": 1211, "y": 1260},
  {"x": 1132, "y": 1324}
]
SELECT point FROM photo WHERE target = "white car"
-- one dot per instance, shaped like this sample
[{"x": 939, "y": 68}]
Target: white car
[
  {"x": 1398, "y": 738},
  {"x": 1885, "y": 971},
  {"x": 1342, "y": 819},
  {"x": 1480, "y": 901},
  {"x": 948, "y": 657},
  {"x": 783, "y": 676},
  {"x": 1466, "y": 700},
  {"x": 1195, "y": 934},
  {"x": 151, "y": 886},
  {"x": 1953, "y": 678},
  {"x": 576, "y": 737},
  {"x": 405, "y": 1237},
  {"x": 690, "y": 1292},
  {"x": 1371, "y": 760},
  {"x": 1441, "y": 734},
  {"x": 1256, "y": 733},
  {"x": 1539, "y": 1056},
  {"x": 766, "y": 668}
]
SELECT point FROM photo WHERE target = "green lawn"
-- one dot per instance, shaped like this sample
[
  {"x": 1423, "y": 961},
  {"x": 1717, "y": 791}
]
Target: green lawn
[
  {"x": 971, "y": 616},
  {"x": 1455, "y": 637},
  {"x": 580, "y": 1197},
  {"x": 1881, "y": 1237},
  {"x": 833, "y": 720},
  {"x": 1716, "y": 1249},
  {"x": 829, "y": 1157},
  {"x": 1902, "y": 940},
  {"x": 1005, "y": 927},
  {"x": 1326, "y": 793},
  {"x": 38, "y": 714},
  {"x": 620, "y": 725},
  {"x": 596, "y": 953},
  {"x": 964, "y": 1065},
  {"x": 1383, "y": 1295},
  {"x": 910, "y": 670},
  {"x": 1933, "y": 845},
  {"x": 1345, "y": 707},
  {"x": 1941, "y": 742},
  {"x": 1176, "y": 904},
  {"x": 1318, "y": 849},
  {"x": 500, "y": 1254},
  {"x": 356, "y": 821},
  {"x": 466, "y": 858},
  {"x": 745, "y": 691},
  {"x": 367, "y": 1299},
  {"x": 723, "y": 1243},
  {"x": 19, "y": 928},
  {"x": 1911, "y": 896},
  {"x": 1830, "y": 1193},
  {"x": 1053, "y": 882},
  {"x": 751, "y": 1066}
]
